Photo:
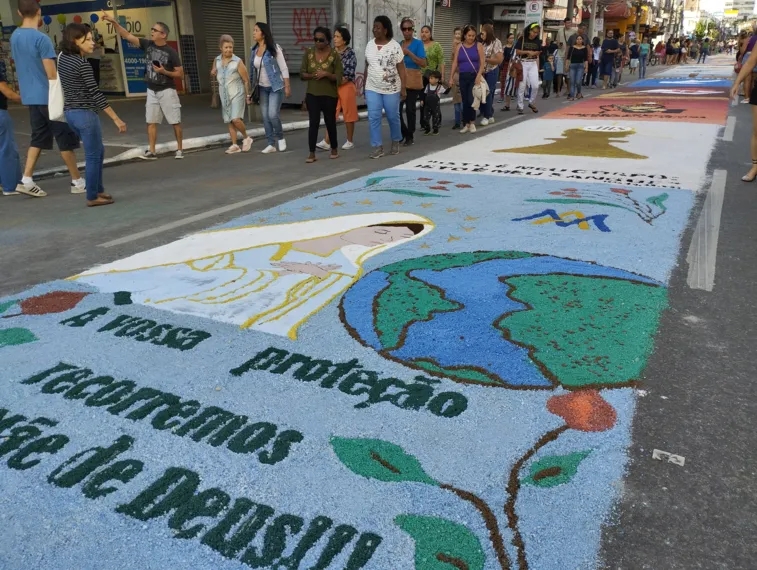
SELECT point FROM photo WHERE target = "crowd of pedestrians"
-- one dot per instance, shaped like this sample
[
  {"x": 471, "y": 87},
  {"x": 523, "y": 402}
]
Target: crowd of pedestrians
[{"x": 400, "y": 77}]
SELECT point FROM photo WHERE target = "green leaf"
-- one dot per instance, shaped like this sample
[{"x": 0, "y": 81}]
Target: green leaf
[
  {"x": 441, "y": 544},
  {"x": 659, "y": 201},
  {"x": 376, "y": 179},
  {"x": 12, "y": 337},
  {"x": 413, "y": 193},
  {"x": 377, "y": 459},
  {"x": 555, "y": 470},
  {"x": 6, "y": 305}
]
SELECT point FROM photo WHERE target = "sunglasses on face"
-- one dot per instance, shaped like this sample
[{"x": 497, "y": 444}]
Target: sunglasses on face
[
  {"x": 156, "y": 30},
  {"x": 408, "y": 29},
  {"x": 319, "y": 40}
]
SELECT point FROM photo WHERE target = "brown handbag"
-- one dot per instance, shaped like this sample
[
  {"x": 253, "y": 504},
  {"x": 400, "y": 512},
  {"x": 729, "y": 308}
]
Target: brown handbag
[{"x": 413, "y": 79}]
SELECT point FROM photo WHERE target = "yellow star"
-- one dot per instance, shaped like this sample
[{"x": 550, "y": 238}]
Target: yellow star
[
  {"x": 467, "y": 230},
  {"x": 453, "y": 238},
  {"x": 366, "y": 202},
  {"x": 398, "y": 202},
  {"x": 263, "y": 220},
  {"x": 452, "y": 210},
  {"x": 427, "y": 205},
  {"x": 284, "y": 214},
  {"x": 470, "y": 219},
  {"x": 338, "y": 204},
  {"x": 425, "y": 246},
  {"x": 306, "y": 208}
]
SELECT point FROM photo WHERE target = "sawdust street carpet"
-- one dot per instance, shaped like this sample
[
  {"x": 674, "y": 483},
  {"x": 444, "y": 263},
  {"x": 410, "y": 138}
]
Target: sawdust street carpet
[{"x": 432, "y": 367}]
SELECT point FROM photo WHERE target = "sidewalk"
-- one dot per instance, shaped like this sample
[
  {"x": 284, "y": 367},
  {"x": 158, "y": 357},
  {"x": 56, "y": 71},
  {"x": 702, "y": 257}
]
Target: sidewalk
[{"x": 203, "y": 126}]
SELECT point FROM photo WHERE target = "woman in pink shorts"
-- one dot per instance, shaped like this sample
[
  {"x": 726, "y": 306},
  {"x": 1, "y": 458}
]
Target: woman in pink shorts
[{"x": 347, "y": 103}]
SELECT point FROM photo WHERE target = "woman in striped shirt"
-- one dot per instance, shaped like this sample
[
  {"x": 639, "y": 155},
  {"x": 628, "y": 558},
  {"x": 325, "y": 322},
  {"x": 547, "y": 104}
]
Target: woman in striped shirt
[{"x": 83, "y": 101}]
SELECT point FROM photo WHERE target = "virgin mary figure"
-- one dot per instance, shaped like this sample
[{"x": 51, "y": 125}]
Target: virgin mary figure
[{"x": 265, "y": 278}]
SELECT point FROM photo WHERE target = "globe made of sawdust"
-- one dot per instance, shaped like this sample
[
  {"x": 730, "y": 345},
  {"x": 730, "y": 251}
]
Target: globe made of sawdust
[{"x": 508, "y": 319}]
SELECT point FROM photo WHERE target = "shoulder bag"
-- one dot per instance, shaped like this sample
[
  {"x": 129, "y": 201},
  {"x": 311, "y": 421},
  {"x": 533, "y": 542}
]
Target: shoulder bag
[
  {"x": 55, "y": 98},
  {"x": 516, "y": 65},
  {"x": 413, "y": 77},
  {"x": 255, "y": 93}
]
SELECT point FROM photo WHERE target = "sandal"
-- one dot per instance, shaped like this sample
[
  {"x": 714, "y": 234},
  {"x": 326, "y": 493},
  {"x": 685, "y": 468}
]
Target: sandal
[
  {"x": 99, "y": 202},
  {"x": 580, "y": 96},
  {"x": 310, "y": 160},
  {"x": 534, "y": 109},
  {"x": 333, "y": 155},
  {"x": 506, "y": 108},
  {"x": 747, "y": 178},
  {"x": 104, "y": 195}
]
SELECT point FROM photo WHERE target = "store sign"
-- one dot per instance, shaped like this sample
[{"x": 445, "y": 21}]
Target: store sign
[
  {"x": 599, "y": 25},
  {"x": 534, "y": 12},
  {"x": 509, "y": 13}
]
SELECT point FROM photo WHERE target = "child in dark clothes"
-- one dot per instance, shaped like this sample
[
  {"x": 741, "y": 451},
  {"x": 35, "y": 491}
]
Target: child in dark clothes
[
  {"x": 432, "y": 110},
  {"x": 548, "y": 76}
]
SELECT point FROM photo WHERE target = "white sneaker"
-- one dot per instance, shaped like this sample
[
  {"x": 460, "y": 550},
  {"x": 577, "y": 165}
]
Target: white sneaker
[
  {"x": 269, "y": 149},
  {"x": 78, "y": 186},
  {"x": 323, "y": 145},
  {"x": 348, "y": 146},
  {"x": 247, "y": 144},
  {"x": 179, "y": 155},
  {"x": 233, "y": 149},
  {"x": 464, "y": 130},
  {"x": 282, "y": 145},
  {"x": 31, "y": 190},
  {"x": 472, "y": 128},
  {"x": 491, "y": 121},
  {"x": 484, "y": 122}
]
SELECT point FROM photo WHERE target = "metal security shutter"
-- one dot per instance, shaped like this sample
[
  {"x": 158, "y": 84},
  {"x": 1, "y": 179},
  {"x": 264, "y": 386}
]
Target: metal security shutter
[
  {"x": 222, "y": 17},
  {"x": 292, "y": 24},
  {"x": 445, "y": 22}
]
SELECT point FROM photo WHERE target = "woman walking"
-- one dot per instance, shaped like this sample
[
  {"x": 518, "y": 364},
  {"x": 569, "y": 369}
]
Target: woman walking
[
  {"x": 594, "y": 52},
  {"x": 322, "y": 69},
  {"x": 415, "y": 60},
  {"x": 434, "y": 62},
  {"x": 579, "y": 65},
  {"x": 529, "y": 49},
  {"x": 507, "y": 55},
  {"x": 493, "y": 55},
  {"x": 644, "y": 50},
  {"x": 746, "y": 71},
  {"x": 347, "y": 90},
  {"x": 233, "y": 89},
  {"x": 270, "y": 78},
  {"x": 469, "y": 60},
  {"x": 384, "y": 84},
  {"x": 457, "y": 99},
  {"x": 83, "y": 101}
]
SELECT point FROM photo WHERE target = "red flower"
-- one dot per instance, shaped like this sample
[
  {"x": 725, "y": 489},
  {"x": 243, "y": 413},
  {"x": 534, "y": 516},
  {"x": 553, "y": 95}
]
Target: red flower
[
  {"x": 463, "y": 186},
  {"x": 54, "y": 302},
  {"x": 444, "y": 181},
  {"x": 620, "y": 191},
  {"x": 424, "y": 179},
  {"x": 437, "y": 188},
  {"x": 585, "y": 410}
]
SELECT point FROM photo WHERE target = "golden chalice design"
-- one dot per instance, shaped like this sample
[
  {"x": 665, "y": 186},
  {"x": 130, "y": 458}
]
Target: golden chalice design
[{"x": 586, "y": 141}]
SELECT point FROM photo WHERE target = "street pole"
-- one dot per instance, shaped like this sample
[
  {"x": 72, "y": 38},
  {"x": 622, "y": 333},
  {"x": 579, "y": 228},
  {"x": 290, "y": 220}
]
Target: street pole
[
  {"x": 638, "y": 19},
  {"x": 593, "y": 19}
]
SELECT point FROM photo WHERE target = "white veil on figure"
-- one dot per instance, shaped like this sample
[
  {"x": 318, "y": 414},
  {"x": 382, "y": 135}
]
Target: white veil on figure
[{"x": 228, "y": 240}]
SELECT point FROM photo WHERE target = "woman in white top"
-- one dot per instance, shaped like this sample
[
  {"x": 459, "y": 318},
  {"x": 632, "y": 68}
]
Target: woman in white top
[
  {"x": 270, "y": 76},
  {"x": 384, "y": 84}
]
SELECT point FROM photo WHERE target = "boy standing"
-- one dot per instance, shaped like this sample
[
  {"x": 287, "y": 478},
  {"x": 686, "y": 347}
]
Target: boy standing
[
  {"x": 10, "y": 164},
  {"x": 34, "y": 55},
  {"x": 163, "y": 67},
  {"x": 432, "y": 111}
]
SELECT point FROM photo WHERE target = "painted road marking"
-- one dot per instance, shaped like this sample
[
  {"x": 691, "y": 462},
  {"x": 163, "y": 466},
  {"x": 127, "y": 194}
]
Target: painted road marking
[
  {"x": 730, "y": 128},
  {"x": 223, "y": 209},
  {"x": 704, "y": 243}
]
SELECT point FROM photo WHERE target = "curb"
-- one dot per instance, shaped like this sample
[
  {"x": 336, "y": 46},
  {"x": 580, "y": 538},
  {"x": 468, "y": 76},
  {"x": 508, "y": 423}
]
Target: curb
[{"x": 207, "y": 142}]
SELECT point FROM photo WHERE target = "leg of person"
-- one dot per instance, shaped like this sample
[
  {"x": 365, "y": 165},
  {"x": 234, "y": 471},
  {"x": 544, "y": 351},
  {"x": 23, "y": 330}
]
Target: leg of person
[
  {"x": 41, "y": 139},
  {"x": 422, "y": 99},
  {"x": 10, "y": 163},
  {"x": 391, "y": 105},
  {"x": 154, "y": 117},
  {"x": 314, "y": 120},
  {"x": 752, "y": 174},
  {"x": 265, "y": 93},
  {"x": 348, "y": 102},
  {"x": 579, "y": 81},
  {"x": 491, "y": 81},
  {"x": 533, "y": 81},
  {"x": 403, "y": 123},
  {"x": 275, "y": 100},
  {"x": 466, "y": 92},
  {"x": 328, "y": 104},
  {"x": 241, "y": 127},
  {"x": 437, "y": 116},
  {"x": 325, "y": 144},
  {"x": 426, "y": 115},
  {"x": 86, "y": 124},
  {"x": 68, "y": 142},
  {"x": 410, "y": 106},
  {"x": 521, "y": 92},
  {"x": 375, "y": 104},
  {"x": 458, "y": 114},
  {"x": 171, "y": 107}
]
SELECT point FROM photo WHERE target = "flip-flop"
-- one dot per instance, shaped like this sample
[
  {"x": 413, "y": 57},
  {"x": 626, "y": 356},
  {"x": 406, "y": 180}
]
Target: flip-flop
[
  {"x": 99, "y": 202},
  {"x": 534, "y": 109}
]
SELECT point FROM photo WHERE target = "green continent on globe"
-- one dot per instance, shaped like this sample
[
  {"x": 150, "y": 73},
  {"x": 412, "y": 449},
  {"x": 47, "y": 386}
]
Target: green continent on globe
[
  {"x": 585, "y": 330},
  {"x": 407, "y": 300}
]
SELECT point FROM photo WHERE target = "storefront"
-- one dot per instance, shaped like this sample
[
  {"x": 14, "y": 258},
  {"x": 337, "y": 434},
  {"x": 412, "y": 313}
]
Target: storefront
[
  {"x": 122, "y": 67},
  {"x": 508, "y": 19},
  {"x": 219, "y": 17},
  {"x": 447, "y": 18}
]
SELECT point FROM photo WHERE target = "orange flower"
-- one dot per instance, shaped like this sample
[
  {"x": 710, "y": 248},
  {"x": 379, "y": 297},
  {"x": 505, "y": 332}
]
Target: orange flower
[{"x": 585, "y": 410}]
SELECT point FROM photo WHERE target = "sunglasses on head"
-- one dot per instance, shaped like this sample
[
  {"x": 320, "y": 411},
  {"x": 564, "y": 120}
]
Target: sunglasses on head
[{"x": 320, "y": 40}]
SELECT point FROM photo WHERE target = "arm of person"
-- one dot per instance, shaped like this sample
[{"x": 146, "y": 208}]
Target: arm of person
[
  {"x": 177, "y": 73},
  {"x": 454, "y": 67},
  {"x": 746, "y": 69},
  {"x": 9, "y": 93},
  {"x": 418, "y": 57},
  {"x": 304, "y": 75},
  {"x": 88, "y": 78},
  {"x": 50, "y": 69},
  {"x": 282, "y": 63},
  {"x": 401, "y": 71},
  {"x": 481, "y": 63},
  {"x": 242, "y": 69},
  {"x": 131, "y": 38},
  {"x": 338, "y": 74}
]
